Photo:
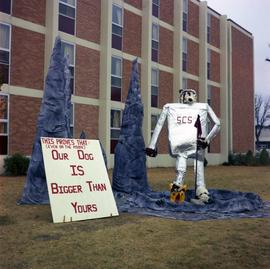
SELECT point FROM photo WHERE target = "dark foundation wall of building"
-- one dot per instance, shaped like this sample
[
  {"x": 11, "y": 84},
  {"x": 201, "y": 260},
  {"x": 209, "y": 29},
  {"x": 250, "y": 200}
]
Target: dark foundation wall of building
[{"x": 242, "y": 91}]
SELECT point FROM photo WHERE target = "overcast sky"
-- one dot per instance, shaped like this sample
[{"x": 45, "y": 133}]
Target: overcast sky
[{"x": 254, "y": 16}]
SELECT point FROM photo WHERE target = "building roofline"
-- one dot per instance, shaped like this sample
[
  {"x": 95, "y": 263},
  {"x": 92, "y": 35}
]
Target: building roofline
[
  {"x": 214, "y": 11},
  {"x": 230, "y": 20}
]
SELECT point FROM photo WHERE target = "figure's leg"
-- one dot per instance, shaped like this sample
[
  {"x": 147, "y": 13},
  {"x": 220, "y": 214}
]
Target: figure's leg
[
  {"x": 200, "y": 169},
  {"x": 177, "y": 188},
  {"x": 181, "y": 168},
  {"x": 201, "y": 191}
]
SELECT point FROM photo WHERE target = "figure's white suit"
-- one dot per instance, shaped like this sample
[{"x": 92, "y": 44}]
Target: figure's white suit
[{"x": 183, "y": 135}]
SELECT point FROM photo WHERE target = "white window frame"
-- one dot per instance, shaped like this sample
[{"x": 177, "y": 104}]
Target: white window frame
[
  {"x": 184, "y": 83},
  {"x": 209, "y": 95},
  {"x": 158, "y": 5},
  {"x": 116, "y": 128},
  {"x": 8, "y": 50},
  {"x": 11, "y": 3},
  {"x": 209, "y": 122},
  {"x": 155, "y": 83},
  {"x": 74, "y": 61},
  {"x": 185, "y": 52},
  {"x": 185, "y": 14},
  {"x": 72, "y": 118},
  {"x": 209, "y": 27},
  {"x": 122, "y": 19},
  {"x": 75, "y": 15},
  {"x": 6, "y": 120},
  {"x": 121, "y": 61},
  {"x": 157, "y": 27},
  {"x": 69, "y": 5},
  {"x": 208, "y": 64},
  {"x": 116, "y": 75},
  {"x": 155, "y": 39},
  {"x": 153, "y": 116}
]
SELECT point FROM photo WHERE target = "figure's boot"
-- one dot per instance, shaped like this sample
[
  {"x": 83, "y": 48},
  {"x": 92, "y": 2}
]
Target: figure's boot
[
  {"x": 177, "y": 193},
  {"x": 202, "y": 194}
]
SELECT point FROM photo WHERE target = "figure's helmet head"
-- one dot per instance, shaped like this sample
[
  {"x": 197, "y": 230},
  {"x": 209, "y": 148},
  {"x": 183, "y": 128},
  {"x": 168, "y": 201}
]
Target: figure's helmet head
[{"x": 187, "y": 96}]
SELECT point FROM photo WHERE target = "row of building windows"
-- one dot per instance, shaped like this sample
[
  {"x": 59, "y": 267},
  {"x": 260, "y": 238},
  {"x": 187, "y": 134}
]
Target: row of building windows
[
  {"x": 116, "y": 74},
  {"x": 67, "y": 20}
]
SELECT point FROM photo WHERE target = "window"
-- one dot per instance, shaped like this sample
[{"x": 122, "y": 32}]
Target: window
[
  {"x": 5, "y": 6},
  {"x": 117, "y": 27},
  {"x": 115, "y": 128},
  {"x": 184, "y": 54},
  {"x": 4, "y": 116},
  {"x": 154, "y": 87},
  {"x": 68, "y": 49},
  {"x": 71, "y": 125},
  {"x": 67, "y": 16},
  {"x": 155, "y": 8},
  {"x": 116, "y": 79},
  {"x": 184, "y": 83},
  {"x": 209, "y": 95},
  {"x": 208, "y": 64},
  {"x": 209, "y": 122},
  {"x": 154, "y": 119},
  {"x": 185, "y": 15},
  {"x": 155, "y": 42},
  {"x": 4, "y": 53},
  {"x": 208, "y": 27}
]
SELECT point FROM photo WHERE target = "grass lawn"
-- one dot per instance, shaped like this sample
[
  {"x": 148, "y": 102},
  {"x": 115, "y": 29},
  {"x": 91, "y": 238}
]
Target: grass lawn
[{"x": 29, "y": 239}]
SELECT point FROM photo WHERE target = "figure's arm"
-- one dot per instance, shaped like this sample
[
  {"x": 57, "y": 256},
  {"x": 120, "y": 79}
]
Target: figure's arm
[
  {"x": 216, "y": 126},
  {"x": 151, "y": 150}
]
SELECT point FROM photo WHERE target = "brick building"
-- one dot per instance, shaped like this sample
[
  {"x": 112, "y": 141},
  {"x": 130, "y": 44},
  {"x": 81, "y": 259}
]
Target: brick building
[{"x": 179, "y": 44}]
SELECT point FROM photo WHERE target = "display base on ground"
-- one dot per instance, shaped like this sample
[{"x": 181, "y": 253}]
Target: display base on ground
[{"x": 226, "y": 204}]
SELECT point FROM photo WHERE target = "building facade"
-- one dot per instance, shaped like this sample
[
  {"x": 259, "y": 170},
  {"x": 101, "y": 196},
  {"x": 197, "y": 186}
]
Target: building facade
[{"x": 179, "y": 44}]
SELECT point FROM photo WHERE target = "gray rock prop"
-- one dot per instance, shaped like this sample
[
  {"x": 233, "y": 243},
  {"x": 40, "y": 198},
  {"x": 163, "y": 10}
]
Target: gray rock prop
[
  {"x": 129, "y": 173},
  {"x": 53, "y": 121}
]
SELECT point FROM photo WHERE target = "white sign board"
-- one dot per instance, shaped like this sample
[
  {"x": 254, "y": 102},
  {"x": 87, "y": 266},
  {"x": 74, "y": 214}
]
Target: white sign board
[{"x": 78, "y": 183}]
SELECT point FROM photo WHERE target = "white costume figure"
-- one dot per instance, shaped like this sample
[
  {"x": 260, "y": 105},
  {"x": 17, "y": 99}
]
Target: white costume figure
[{"x": 182, "y": 135}]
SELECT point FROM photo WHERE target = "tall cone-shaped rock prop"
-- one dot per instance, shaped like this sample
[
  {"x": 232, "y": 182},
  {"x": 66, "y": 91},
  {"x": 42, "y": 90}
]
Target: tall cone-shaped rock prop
[
  {"x": 53, "y": 121},
  {"x": 129, "y": 172}
]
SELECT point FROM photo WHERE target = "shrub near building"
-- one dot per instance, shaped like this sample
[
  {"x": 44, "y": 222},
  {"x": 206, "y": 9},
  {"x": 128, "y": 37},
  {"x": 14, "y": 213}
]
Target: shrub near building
[
  {"x": 16, "y": 165},
  {"x": 249, "y": 159}
]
